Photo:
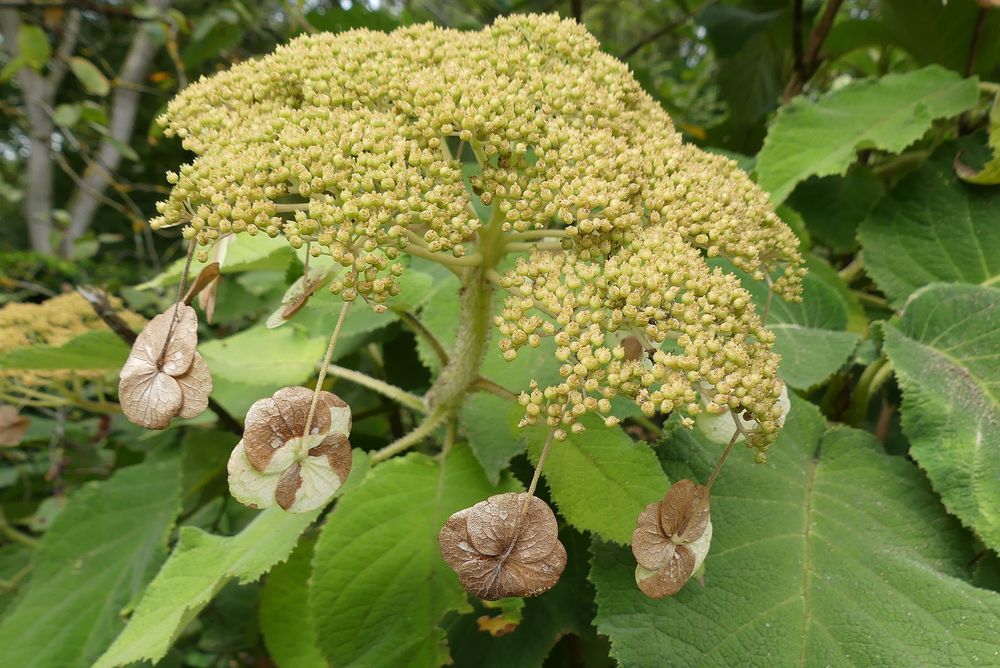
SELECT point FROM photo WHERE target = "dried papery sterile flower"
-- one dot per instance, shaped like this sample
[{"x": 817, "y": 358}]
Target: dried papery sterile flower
[
  {"x": 164, "y": 376},
  {"x": 671, "y": 539},
  {"x": 13, "y": 426},
  {"x": 297, "y": 295},
  {"x": 276, "y": 464},
  {"x": 507, "y": 545}
]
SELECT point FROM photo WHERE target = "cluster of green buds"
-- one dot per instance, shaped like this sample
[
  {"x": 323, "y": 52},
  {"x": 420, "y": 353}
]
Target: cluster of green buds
[
  {"x": 355, "y": 144},
  {"x": 525, "y": 140}
]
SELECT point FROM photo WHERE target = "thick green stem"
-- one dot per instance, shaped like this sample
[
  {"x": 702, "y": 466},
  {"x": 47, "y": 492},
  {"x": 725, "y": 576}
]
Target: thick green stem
[{"x": 475, "y": 312}]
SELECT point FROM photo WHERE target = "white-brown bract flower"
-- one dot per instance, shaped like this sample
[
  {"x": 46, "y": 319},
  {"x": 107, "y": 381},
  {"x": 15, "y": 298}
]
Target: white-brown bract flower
[
  {"x": 276, "y": 464},
  {"x": 507, "y": 545},
  {"x": 671, "y": 539},
  {"x": 164, "y": 376}
]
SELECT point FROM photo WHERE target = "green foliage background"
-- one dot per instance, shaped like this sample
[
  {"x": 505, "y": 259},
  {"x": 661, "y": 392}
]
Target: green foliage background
[{"x": 870, "y": 537}]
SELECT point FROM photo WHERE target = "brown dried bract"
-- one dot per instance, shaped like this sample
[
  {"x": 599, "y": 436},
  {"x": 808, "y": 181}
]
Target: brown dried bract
[
  {"x": 276, "y": 463},
  {"x": 297, "y": 295},
  {"x": 507, "y": 545},
  {"x": 164, "y": 377},
  {"x": 13, "y": 426},
  {"x": 671, "y": 539}
]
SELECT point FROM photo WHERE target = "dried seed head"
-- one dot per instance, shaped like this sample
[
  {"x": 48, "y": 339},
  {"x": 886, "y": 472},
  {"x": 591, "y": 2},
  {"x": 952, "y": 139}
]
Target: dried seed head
[
  {"x": 13, "y": 426},
  {"x": 671, "y": 539},
  {"x": 164, "y": 377},
  {"x": 276, "y": 464},
  {"x": 507, "y": 545}
]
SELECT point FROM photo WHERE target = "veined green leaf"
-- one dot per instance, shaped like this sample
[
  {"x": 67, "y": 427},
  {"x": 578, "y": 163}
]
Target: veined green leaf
[
  {"x": 833, "y": 553},
  {"x": 945, "y": 349},
  {"x": 94, "y": 560},
  {"x": 811, "y": 336},
  {"x": 289, "y": 637},
  {"x": 820, "y": 138},
  {"x": 379, "y": 586},
  {"x": 601, "y": 479},
  {"x": 200, "y": 565},
  {"x": 932, "y": 228}
]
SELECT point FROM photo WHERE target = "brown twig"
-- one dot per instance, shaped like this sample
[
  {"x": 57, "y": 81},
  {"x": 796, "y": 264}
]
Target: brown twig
[
  {"x": 977, "y": 34},
  {"x": 653, "y": 36},
  {"x": 797, "y": 46},
  {"x": 810, "y": 58}
]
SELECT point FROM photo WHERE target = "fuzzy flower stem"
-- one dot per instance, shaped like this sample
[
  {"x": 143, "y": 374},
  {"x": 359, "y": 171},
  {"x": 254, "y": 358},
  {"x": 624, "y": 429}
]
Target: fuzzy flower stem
[
  {"x": 473, "y": 260},
  {"x": 421, "y": 330},
  {"x": 725, "y": 455},
  {"x": 326, "y": 364},
  {"x": 475, "y": 311},
  {"x": 397, "y": 394},
  {"x": 181, "y": 286},
  {"x": 423, "y": 430},
  {"x": 541, "y": 461}
]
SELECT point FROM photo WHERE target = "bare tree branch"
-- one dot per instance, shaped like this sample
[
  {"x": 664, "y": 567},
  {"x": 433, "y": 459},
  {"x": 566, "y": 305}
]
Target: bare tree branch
[
  {"x": 810, "y": 59},
  {"x": 124, "y": 106}
]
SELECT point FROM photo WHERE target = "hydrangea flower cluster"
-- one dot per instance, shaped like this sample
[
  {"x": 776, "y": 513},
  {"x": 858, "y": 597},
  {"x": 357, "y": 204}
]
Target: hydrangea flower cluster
[{"x": 356, "y": 144}]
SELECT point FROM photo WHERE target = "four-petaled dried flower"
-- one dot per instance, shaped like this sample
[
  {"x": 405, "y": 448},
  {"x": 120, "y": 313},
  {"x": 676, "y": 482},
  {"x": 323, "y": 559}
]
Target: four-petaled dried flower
[
  {"x": 276, "y": 463},
  {"x": 672, "y": 539},
  {"x": 13, "y": 426},
  {"x": 507, "y": 545},
  {"x": 164, "y": 377}
]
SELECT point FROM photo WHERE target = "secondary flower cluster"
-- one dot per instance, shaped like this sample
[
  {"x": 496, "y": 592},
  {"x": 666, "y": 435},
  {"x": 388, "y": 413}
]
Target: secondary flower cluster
[{"x": 53, "y": 322}]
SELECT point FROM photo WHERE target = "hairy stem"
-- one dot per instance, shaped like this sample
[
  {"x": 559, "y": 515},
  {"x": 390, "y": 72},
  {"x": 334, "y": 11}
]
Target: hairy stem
[
  {"x": 475, "y": 313},
  {"x": 423, "y": 430},
  {"x": 871, "y": 380},
  {"x": 326, "y": 364},
  {"x": 397, "y": 394}
]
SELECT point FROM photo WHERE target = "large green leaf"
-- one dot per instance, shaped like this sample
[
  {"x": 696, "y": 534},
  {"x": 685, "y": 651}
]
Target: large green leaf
[
  {"x": 831, "y": 554},
  {"x": 834, "y": 206},
  {"x": 290, "y": 639},
  {"x": 601, "y": 479},
  {"x": 89, "y": 351},
  {"x": 811, "y": 336},
  {"x": 243, "y": 253},
  {"x": 942, "y": 32},
  {"x": 945, "y": 349},
  {"x": 820, "y": 138},
  {"x": 932, "y": 227},
  {"x": 253, "y": 364},
  {"x": 200, "y": 565},
  {"x": 379, "y": 587},
  {"x": 94, "y": 560}
]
